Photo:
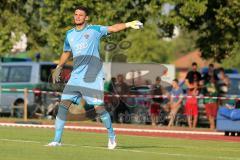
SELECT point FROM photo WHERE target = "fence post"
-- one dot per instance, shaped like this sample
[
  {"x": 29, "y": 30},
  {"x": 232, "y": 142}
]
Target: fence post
[{"x": 25, "y": 104}]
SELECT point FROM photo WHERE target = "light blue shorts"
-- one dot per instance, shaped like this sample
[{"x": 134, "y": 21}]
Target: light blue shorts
[{"x": 77, "y": 88}]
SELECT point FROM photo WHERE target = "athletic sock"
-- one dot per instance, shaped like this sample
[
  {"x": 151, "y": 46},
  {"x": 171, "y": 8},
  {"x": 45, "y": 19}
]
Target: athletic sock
[
  {"x": 60, "y": 122},
  {"x": 106, "y": 119}
]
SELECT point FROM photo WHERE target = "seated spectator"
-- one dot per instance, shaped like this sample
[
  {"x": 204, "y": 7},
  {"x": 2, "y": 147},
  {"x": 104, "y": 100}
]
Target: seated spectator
[
  {"x": 155, "y": 106},
  {"x": 222, "y": 84},
  {"x": 211, "y": 105},
  {"x": 112, "y": 85},
  {"x": 110, "y": 88},
  {"x": 175, "y": 101},
  {"x": 121, "y": 88},
  {"x": 139, "y": 81},
  {"x": 191, "y": 106},
  {"x": 211, "y": 73}
]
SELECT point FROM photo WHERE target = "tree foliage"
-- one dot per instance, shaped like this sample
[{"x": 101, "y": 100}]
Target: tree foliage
[
  {"x": 101, "y": 12},
  {"x": 217, "y": 23},
  {"x": 46, "y": 21}
]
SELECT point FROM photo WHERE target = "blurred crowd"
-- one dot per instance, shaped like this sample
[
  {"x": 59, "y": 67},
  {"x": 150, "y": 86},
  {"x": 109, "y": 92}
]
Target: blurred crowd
[{"x": 180, "y": 97}]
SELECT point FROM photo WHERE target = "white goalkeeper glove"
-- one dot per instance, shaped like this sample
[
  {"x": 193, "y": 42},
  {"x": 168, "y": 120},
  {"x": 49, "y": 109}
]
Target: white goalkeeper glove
[{"x": 134, "y": 24}]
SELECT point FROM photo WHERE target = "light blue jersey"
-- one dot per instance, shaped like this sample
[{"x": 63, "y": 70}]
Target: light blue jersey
[
  {"x": 86, "y": 79},
  {"x": 84, "y": 45}
]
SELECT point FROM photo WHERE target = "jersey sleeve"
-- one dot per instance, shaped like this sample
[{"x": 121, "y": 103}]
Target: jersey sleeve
[
  {"x": 103, "y": 30},
  {"x": 66, "y": 46}
]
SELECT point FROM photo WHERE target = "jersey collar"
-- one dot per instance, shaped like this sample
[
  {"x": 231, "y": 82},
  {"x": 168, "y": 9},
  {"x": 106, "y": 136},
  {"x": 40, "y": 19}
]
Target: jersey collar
[{"x": 79, "y": 30}]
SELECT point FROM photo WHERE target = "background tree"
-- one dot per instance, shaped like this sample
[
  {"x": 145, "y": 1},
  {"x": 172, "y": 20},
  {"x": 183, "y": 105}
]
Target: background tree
[
  {"x": 214, "y": 24},
  {"x": 217, "y": 23}
]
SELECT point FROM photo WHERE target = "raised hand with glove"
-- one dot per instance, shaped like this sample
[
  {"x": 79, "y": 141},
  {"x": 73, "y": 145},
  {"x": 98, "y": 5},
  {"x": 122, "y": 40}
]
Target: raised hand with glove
[{"x": 134, "y": 24}]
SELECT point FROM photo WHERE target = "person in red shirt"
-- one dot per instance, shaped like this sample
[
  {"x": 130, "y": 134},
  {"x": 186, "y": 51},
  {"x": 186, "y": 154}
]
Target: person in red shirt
[{"x": 191, "y": 106}]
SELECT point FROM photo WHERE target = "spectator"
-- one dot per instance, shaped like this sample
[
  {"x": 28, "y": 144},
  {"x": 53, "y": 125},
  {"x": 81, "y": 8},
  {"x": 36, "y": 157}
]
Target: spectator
[
  {"x": 138, "y": 80},
  {"x": 211, "y": 73},
  {"x": 122, "y": 89},
  {"x": 155, "y": 106},
  {"x": 112, "y": 85},
  {"x": 193, "y": 75},
  {"x": 110, "y": 101},
  {"x": 223, "y": 84},
  {"x": 148, "y": 82},
  {"x": 210, "y": 103},
  {"x": 191, "y": 106},
  {"x": 175, "y": 101}
]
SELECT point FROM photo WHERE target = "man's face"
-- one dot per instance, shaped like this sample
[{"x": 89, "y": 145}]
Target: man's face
[
  {"x": 174, "y": 84},
  {"x": 194, "y": 67},
  {"x": 158, "y": 81},
  {"x": 120, "y": 79},
  {"x": 210, "y": 70},
  {"x": 80, "y": 17}
]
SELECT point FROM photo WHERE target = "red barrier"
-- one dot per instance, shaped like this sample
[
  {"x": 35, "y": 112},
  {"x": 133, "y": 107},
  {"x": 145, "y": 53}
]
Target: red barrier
[{"x": 125, "y": 96}]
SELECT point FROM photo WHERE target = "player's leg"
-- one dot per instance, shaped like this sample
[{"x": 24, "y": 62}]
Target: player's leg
[
  {"x": 69, "y": 95},
  {"x": 106, "y": 120},
  {"x": 96, "y": 98},
  {"x": 61, "y": 119},
  {"x": 60, "y": 122}
]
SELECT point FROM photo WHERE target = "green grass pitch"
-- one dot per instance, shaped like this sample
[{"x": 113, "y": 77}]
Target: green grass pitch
[{"x": 28, "y": 144}]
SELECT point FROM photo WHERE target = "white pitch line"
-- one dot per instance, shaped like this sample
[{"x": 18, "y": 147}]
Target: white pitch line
[
  {"x": 130, "y": 150},
  {"x": 19, "y": 140},
  {"x": 166, "y": 154},
  {"x": 116, "y": 129}
]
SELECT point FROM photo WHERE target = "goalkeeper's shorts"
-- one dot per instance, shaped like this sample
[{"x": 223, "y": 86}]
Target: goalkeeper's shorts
[{"x": 77, "y": 88}]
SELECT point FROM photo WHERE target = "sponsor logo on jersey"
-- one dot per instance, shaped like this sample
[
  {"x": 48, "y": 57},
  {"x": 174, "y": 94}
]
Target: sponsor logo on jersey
[{"x": 81, "y": 46}]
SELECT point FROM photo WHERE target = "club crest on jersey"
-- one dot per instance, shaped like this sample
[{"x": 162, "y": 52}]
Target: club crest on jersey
[{"x": 86, "y": 36}]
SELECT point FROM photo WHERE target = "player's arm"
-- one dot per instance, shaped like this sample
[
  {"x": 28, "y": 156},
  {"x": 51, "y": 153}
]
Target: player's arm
[
  {"x": 121, "y": 26},
  {"x": 63, "y": 59}
]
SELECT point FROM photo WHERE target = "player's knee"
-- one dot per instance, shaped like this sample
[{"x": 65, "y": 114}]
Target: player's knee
[
  {"x": 100, "y": 110},
  {"x": 66, "y": 103},
  {"x": 63, "y": 109}
]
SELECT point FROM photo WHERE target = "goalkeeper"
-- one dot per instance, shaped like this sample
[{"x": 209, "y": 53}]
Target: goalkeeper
[{"x": 86, "y": 81}]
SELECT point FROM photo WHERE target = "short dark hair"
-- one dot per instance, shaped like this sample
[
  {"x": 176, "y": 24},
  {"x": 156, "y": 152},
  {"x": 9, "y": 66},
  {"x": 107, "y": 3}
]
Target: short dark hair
[
  {"x": 176, "y": 80},
  {"x": 82, "y": 8},
  {"x": 221, "y": 69},
  {"x": 158, "y": 78},
  {"x": 194, "y": 64},
  {"x": 211, "y": 65}
]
